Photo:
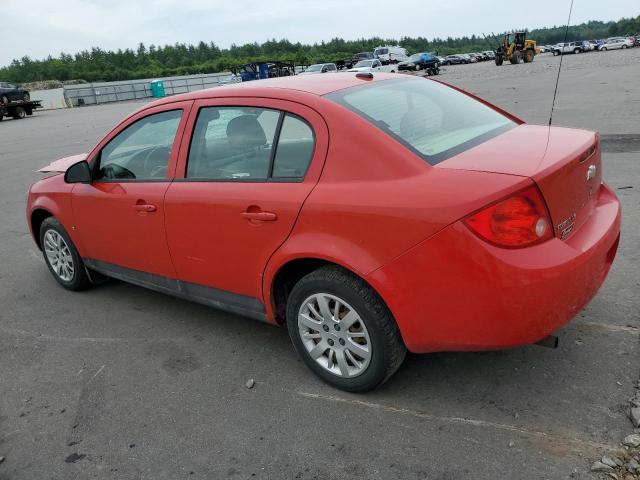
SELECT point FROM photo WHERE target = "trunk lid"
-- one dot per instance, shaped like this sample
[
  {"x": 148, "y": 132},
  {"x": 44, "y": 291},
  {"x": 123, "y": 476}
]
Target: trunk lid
[{"x": 565, "y": 163}]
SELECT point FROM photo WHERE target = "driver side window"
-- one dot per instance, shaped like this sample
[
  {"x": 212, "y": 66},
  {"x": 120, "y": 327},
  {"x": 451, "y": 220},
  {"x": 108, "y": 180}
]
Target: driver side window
[{"x": 142, "y": 150}]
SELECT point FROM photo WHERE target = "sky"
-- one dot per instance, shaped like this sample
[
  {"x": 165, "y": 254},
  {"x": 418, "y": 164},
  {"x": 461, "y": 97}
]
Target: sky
[{"x": 48, "y": 27}]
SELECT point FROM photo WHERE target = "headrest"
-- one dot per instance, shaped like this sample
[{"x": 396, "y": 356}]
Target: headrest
[{"x": 245, "y": 131}]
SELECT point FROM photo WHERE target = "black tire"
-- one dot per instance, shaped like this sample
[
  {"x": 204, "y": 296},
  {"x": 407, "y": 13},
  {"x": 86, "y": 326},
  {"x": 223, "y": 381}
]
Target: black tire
[
  {"x": 498, "y": 60},
  {"x": 26, "y": 97},
  {"x": 528, "y": 56},
  {"x": 80, "y": 279},
  {"x": 4, "y": 99},
  {"x": 556, "y": 53},
  {"x": 19, "y": 113},
  {"x": 515, "y": 58},
  {"x": 576, "y": 51},
  {"x": 418, "y": 67},
  {"x": 387, "y": 349},
  {"x": 623, "y": 47},
  {"x": 603, "y": 49}
]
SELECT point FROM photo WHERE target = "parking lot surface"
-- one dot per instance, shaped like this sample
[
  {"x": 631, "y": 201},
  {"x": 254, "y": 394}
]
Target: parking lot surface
[{"x": 122, "y": 382}]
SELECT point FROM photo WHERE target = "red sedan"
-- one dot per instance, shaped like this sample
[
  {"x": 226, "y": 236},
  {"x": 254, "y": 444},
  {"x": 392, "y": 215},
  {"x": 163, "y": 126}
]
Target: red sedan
[{"x": 371, "y": 214}]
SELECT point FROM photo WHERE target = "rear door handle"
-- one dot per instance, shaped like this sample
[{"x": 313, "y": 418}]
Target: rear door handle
[
  {"x": 145, "y": 207},
  {"x": 261, "y": 216}
]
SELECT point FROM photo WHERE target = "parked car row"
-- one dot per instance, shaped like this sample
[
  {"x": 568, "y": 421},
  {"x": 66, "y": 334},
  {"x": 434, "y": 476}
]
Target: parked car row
[{"x": 583, "y": 46}]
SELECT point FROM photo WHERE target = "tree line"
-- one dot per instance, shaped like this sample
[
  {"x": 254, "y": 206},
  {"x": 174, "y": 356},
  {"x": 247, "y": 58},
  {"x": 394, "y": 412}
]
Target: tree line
[{"x": 181, "y": 59}]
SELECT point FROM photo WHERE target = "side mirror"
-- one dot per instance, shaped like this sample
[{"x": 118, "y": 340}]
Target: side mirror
[{"x": 78, "y": 173}]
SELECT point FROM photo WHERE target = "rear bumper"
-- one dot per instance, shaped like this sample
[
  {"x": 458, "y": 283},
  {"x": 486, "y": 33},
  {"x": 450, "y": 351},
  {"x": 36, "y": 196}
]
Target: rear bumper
[{"x": 456, "y": 292}]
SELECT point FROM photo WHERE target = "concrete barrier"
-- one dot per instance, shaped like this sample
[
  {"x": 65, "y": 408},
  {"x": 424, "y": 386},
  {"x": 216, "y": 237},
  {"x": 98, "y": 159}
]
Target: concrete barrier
[{"x": 51, "y": 99}]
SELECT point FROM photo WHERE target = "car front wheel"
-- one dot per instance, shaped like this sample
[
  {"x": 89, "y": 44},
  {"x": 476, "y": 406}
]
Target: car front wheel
[
  {"x": 343, "y": 330},
  {"x": 61, "y": 256}
]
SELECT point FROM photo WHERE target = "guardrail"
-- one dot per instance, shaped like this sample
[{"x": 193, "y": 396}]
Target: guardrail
[{"x": 108, "y": 92}]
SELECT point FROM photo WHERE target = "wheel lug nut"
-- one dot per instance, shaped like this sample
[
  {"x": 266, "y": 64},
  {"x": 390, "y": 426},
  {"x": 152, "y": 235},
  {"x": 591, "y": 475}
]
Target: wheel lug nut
[
  {"x": 341, "y": 341},
  {"x": 325, "y": 328},
  {"x": 337, "y": 327},
  {"x": 330, "y": 342}
]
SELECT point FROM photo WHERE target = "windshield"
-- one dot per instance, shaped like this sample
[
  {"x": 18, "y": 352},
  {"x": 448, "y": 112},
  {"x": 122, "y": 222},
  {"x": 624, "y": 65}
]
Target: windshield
[
  {"x": 415, "y": 57},
  {"x": 381, "y": 51},
  {"x": 433, "y": 120},
  {"x": 364, "y": 63},
  {"x": 314, "y": 68}
]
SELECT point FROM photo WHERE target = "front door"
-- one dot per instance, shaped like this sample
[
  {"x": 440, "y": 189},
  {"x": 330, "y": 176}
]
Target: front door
[
  {"x": 246, "y": 172},
  {"x": 120, "y": 215}
]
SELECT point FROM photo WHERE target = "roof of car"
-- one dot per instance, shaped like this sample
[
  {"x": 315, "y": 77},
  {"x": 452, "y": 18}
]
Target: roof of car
[{"x": 311, "y": 84}]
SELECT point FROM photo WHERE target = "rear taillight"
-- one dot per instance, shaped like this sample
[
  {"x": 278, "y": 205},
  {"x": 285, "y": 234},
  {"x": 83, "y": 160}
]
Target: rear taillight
[{"x": 520, "y": 220}]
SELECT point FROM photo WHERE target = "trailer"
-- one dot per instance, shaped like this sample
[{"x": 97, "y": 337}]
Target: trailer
[{"x": 19, "y": 109}]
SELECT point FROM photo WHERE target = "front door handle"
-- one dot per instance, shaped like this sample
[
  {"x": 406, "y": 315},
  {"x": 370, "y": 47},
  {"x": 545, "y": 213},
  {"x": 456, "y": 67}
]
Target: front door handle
[
  {"x": 261, "y": 216},
  {"x": 144, "y": 207}
]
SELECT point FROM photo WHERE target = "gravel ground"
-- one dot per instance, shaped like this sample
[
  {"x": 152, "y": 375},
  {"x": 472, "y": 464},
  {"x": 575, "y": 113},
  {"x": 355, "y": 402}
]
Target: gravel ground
[{"x": 121, "y": 382}]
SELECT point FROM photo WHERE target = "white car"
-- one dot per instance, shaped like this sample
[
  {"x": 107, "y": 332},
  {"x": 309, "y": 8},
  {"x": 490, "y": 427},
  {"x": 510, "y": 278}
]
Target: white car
[
  {"x": 374, "y": 65},
  {"x": 391, "y": 54},
  {"x": 320, "y": 68},
  {"x": 571, "y": 47},
  {"x": 615, "y": 43}
]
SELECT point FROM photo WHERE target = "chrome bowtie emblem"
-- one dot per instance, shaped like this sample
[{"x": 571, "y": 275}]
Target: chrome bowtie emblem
[{"x": 591, "y": 172}]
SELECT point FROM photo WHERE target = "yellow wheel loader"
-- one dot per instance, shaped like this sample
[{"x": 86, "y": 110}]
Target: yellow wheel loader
[{"x": 515, "y": 47}]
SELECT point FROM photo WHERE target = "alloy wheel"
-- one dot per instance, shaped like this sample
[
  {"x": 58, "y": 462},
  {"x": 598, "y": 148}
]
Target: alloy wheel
[
  {"x": 334, "y": 335},
  {"x": 58, "y": 255}
]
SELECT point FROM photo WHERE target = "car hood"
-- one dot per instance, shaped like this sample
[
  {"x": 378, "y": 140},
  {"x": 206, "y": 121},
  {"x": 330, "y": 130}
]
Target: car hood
[{"x": 62, "y": 164}]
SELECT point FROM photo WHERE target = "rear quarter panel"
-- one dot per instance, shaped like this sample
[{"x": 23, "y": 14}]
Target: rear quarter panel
[{"x": 376, "y": 199}]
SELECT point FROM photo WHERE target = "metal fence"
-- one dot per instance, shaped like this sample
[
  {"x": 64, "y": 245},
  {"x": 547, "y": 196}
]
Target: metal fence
[{"x": 107, "y": 92}]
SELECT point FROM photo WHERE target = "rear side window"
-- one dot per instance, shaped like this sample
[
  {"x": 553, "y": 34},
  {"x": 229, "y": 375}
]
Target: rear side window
[
  {"x": 232, "y": 143},
  {"x": 433, "y": 120},
  {"x": 295, "y": 148},
  {"x": 249, "y": 144}
]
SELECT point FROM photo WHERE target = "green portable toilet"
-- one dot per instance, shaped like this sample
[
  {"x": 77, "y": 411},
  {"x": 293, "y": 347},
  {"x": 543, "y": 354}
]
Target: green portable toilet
[{"x": 157, "y": 88}]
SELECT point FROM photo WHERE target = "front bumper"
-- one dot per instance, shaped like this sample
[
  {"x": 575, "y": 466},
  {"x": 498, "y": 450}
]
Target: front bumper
[{"x": 455, "y": 292}]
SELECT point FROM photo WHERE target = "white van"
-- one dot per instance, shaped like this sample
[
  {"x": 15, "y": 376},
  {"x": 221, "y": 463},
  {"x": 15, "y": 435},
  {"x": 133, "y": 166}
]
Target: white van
[{"x": 391, "y": 54}]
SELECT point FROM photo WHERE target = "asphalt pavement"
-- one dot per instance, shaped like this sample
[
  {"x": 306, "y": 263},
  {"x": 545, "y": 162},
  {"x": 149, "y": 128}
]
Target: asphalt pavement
[{"x": 119, "y": 382}]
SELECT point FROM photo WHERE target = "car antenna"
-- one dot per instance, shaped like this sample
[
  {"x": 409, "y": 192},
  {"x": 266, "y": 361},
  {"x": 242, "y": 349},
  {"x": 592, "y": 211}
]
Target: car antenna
[{"x": 555, "y": 91}]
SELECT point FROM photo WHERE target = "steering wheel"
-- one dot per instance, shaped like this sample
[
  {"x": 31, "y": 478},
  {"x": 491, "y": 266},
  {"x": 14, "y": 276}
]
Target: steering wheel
[
  {"x": 114, "y": 171},
  {"x": 156, "y": 167}
]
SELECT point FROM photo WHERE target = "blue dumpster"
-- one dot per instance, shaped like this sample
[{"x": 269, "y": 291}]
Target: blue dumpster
[{"x": 157, "y": 88}]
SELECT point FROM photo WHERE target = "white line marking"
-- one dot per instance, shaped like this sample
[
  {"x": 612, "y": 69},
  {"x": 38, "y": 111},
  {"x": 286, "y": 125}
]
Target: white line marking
[
  {"x": 460, "y": 420},
  {"x": 612, "y": 328},
  {"x": 96, "y": 374}
]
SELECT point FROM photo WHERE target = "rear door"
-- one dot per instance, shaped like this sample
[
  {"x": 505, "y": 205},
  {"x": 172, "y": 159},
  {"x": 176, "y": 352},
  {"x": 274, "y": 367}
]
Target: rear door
[{"x": 242, "y": 178}]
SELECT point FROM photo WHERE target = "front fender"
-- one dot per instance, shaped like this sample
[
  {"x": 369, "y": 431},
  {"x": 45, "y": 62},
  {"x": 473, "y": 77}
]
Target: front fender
[{"x": 53, "y": 196}]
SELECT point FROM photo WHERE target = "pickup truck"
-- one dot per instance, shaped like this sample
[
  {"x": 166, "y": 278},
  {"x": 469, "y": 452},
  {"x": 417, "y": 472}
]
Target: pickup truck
[{"x": 374, "y": 65}]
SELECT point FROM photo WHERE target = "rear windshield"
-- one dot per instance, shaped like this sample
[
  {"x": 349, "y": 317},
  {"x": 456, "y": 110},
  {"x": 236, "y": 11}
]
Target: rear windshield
[{"x": 433, "y": 120}]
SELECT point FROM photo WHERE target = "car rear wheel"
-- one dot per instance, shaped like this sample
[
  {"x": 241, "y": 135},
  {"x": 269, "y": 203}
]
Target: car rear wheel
[
  {"x": 61, "y": 256},
  {"x": 623, "y": 46},
  {"x": 604, "y": 49},
  {"x": 343, "y": 331}
]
